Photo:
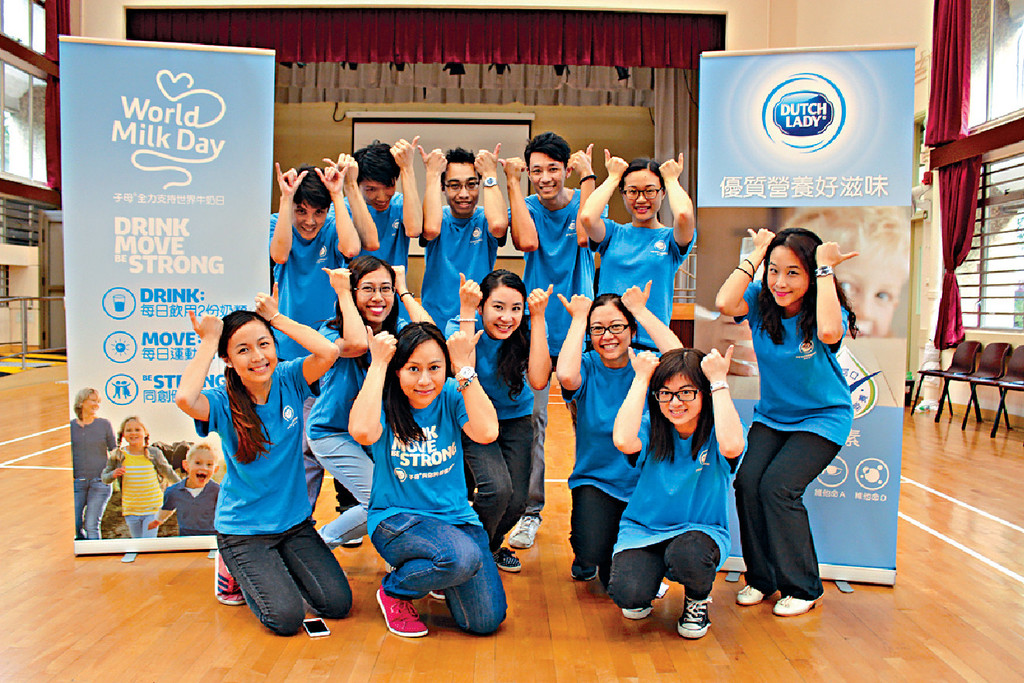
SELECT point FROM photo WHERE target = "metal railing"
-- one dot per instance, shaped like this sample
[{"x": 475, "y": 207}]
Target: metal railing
[{"x": 20, "y": 315}]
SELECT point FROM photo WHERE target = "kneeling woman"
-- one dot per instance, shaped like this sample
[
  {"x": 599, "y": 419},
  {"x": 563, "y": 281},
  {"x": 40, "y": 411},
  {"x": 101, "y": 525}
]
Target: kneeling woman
[
  {"x": 413, "y": 413},
  {"x": 264, "y": 531},
  {"x": 687, "y": 446}
]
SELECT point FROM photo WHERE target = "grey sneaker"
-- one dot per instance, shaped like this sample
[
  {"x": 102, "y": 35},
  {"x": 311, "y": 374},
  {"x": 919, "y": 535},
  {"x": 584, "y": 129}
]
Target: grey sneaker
[{"x": 525, "y": 532}]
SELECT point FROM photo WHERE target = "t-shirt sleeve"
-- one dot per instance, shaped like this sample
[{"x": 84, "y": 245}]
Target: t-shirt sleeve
[
  {"x": 457, "y": 402},
  {"x": 610, "y": 228},
  {"x": 750, "y": 296},
  {"x": 573, "y": 394},
  {"x": 683, "y": 250},
  {"x": 291, "y": 372},
  {"x": 168, "y": 498},
  {"x": 220, "y": 413},
  {"x": 638, "y": 459}
]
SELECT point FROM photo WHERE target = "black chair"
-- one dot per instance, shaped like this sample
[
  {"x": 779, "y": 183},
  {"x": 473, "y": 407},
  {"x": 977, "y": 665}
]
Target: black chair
[
  {"x": 991, "y": 365},
  {"x": 962, "y": 364},
  {"x": 1012, "y": 380}
]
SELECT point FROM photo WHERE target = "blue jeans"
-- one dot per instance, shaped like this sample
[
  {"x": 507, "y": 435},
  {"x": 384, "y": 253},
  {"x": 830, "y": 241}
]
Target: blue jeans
[
  {"x": 501, "y": 470},
  {"x": 138, "y": 525},
  {"x": 277, "y": 572},
  {"x": 348, "y": 464},
  {"x": 429, "y": 554},
  {"x": 91, "y": 496}
]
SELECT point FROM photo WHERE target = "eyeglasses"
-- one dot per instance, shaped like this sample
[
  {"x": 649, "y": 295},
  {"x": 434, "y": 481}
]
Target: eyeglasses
[
  {"x": 370, "y": 290},
  {"x": 614, "y": 328},
  {"x": 684, "y": 395},
  {"x": 456, "y": 186},
  {"x": 647, "y": 192}
]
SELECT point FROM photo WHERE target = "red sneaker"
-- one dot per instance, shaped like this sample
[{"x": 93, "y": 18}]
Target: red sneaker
[
  {"x": 225, "y": 588},
  {"x": 400, "y": 615}
]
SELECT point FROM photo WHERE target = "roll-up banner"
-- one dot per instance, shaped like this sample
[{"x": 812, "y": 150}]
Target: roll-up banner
[
  {"x": 166, "y": 150},
  {"x": 820, "y": 139}
]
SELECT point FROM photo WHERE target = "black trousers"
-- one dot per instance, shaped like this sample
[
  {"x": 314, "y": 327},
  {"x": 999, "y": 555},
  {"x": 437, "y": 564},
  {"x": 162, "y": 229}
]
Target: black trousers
[
  {"x": 691, "y": 559},
  {"x": 593, "y": 528}
]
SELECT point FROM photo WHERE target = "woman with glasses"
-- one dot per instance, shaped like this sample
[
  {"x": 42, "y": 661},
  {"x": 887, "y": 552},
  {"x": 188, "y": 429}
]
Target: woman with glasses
[
  {"x": 686, "y": 444},
  {"x": 643, "y": 249},
  {"x": 367, "y": 293},
  {"x": 595, "y": 383}
]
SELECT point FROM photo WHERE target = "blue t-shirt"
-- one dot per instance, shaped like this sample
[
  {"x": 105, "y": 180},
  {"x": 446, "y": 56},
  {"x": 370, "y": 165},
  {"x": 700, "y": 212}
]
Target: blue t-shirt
[
  {"x": 303, "y": 288},
  {"x": 493, "y": 385},
  {"x": 424, "y": 477},
  {"x": 598, "y": 399},
  {"x": 673, "y": 497},
  {"x": 803, "y": 388},
  {"x": 338, "y": 388},
  {"x": 466, "y": 246},
  {"x": 268, "y": 495},
  {"x": 394, "y": 243},
  {"x": 560, "y": 261},
  {"x": 195, "y": 513},
  {"x": 632, "y": 256}
]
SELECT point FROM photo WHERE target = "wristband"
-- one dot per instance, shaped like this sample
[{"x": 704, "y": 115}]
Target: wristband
[
  {"x": 715, "y": 386},
  {"x": 271, "y": 318},
  {"x": 465, "y": 320},
  {"x": 823, "y": 271},
  {"x": 592, "y": 176},
  {"x": 406, "y": 293},
  {"x": 745, "y": 272}
]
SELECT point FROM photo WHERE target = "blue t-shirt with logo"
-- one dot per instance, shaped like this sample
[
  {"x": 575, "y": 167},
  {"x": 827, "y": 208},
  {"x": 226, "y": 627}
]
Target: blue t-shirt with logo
[
  {"x": 303, "y": 288},
  {"x": 632, "y": 256},
  {"x": 268, "y": 495},
  {"x": 803, "y": 388},
  {"x": 424, "y": 477},
  {"x": 487, "y": 349},
  {"x": 394, "y": 243},
  {"x": 465, "y": 246},
  {"x": 598, "y": 399},
  {"x": 338, "y": 388},
  {"x": 558, "y": 261},
  {"x": 673, "y": 497}
]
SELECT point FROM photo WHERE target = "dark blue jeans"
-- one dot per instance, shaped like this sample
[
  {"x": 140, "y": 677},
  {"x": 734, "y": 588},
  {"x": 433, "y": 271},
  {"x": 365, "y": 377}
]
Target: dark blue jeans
[
  {"x": 430, "y": 555},
  {"x": 691, "y": 559},
  {"x": 501, "y": 470},
  {"x": 278, "y": 572}
]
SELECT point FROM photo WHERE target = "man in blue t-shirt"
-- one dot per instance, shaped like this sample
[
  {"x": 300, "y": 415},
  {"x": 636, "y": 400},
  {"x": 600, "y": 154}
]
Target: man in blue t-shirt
[
  {"x": 461, "y": 237},
  {"x": 545, "y": 229}
]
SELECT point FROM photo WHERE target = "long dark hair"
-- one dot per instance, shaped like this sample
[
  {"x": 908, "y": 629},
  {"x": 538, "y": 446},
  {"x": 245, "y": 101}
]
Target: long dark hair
[
  {"x": 252, "y": 439},
  {"x": 514, "y": 352},
  {"x": 803, "y": 243},
  {"x": 358, "y": 269},
  {"x": 685, "y": 362},
  {"x": 616, "y": 301},
  {"x": 397, "y": 410}
]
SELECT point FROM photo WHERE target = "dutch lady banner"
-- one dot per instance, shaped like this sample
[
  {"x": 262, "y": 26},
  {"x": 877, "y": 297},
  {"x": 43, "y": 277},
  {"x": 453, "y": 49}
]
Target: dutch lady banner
[
  {"x": 166, "y": 152},
  {"x": 822, "y": 139}
]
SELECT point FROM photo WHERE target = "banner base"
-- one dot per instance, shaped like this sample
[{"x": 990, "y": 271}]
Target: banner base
[
  {"x": 120, "y": 546},
  {"x": 832, "y": 572}
]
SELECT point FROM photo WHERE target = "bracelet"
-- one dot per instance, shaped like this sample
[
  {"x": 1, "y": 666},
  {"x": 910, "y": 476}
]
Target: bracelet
[
  {"x": 271, "y": 319},
  {"x": 823, "y": 271},
  {"x": 753, "y": 268},
  {"x": 465, "y": 320},
  {"x": 406, "y": 294},
  {"x": 592, "y": 176},
  {"x": 744, "y": 272},
  {"x": 715, "y": 386}
]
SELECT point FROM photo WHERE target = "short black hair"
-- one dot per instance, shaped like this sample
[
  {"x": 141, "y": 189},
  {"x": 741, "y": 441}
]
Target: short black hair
[
  {"x": 377, "y": 164},
  {"x": 459, "y": 155},
  {"x": 552, "y": 144},
  {"x": 311, "y": 190},
  {"x": 641, "y": 164}
]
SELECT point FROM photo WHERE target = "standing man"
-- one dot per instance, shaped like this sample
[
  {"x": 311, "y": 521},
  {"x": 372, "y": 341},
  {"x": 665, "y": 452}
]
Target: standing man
[
  {"x": 546, "y": 230},
  {"x": 461, "y": 237}
]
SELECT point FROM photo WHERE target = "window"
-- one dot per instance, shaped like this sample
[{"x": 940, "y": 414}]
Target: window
[
  {"x": 997, "y": 59},
  {"x": 991, "y": 286},
  {"x": 24, "y": 123},
  {"x": 5, "y": 285},
  {"x": 25, "y": 22},
  {"x": 19, "y": 222}
]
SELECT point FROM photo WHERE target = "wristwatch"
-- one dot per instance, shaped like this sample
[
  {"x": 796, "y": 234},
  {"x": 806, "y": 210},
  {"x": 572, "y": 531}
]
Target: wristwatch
[
  {"x": 490, "y": 181},
  {"x": 465, "y": 377},
  {"x": 823, "y": 271}
]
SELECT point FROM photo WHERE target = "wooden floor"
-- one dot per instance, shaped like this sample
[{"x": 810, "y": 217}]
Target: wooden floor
[{"x": 956, "y": 612}]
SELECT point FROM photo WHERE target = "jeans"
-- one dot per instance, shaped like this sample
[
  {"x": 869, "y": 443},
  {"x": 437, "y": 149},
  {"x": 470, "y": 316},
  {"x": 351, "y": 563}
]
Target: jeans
[
  {"x": 348, "y": 464},
  {"x": 428, "y": 554},
  {"x": 594, "y": 527},
  {"x": 774, "y": 530},
  {"x": 278, "y": 572},
  {"x": 310, "y": 464},
  {"x": 138, "y": 525},
  {"x": 691, "y": 559},
  {"x": 91, "y": 496},
  {"x": 501, "y": 470}
]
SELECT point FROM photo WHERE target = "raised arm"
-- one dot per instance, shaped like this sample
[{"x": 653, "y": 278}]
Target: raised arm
[
  {"x": 365, "y": 228},
  {"x": 323, "y": 351},
  {"x": 591, "y": 210},
  {"x": 626, "y": 430},
  {"x": 524, "y": 232},
  {"x": 348, "y": 239},
  {"x": 412, "y": 211},
  {"x": 281, "y": 243},
  {"x": 538, "y": 370},
  {"x": 635, "y": 301},
  {"x": 729, "y": 299},
  {"x": 470, "y": 297},
  {"x": 829, "y": 310},
  {"x": 352, "y": 341},
  {"x": 417, "y": 314},
  {"x": 189, "y": 398},
  {"x": 435, "y": 164},
  {"x": 731, "y": 440},
  {"x": 482, "y": 426},
  {"x": 683, "y": 220},
  {"x": 495, "y": 211},
  {"x": 582, "y": 162},
  {"x": 364, "y": 417},
  {"x": 570, "y": 358}
]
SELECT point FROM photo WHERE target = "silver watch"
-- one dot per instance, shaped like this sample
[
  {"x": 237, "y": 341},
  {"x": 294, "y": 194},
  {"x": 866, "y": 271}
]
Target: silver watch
[
  {"x": 490, "y": 181},
  {"x": 465, "y": 376}
]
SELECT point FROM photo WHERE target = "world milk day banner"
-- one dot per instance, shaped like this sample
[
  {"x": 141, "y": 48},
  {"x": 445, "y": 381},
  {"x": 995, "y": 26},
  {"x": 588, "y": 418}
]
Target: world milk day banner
[
  {"x": 823, "y": 140},
  {"x": 166, "y": 152}
]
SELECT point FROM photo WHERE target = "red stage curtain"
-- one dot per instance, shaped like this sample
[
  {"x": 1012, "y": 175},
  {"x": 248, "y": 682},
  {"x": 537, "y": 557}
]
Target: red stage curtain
[
  {"x": 958, "y": 189},
  {"x": 439, "y": 36},
  {"x": 950, "y": 96},
  {"x": 58, "y": 22}
]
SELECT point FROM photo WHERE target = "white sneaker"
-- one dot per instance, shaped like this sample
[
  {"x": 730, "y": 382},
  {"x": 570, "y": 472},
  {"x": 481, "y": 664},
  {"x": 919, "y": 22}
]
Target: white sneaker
[
  {"x": 636, "y": 614},
  {"x": 525, "y": 532},
  {"x": 749, "y": 596},
  {"x": 662, "y": 589},
  {"x": 789, "y": 606}
]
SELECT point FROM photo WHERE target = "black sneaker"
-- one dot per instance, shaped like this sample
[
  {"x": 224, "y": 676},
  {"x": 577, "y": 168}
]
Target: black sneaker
[
  {"x": 583, "y": 572},
  {"x": 695, "y": 622},
  {"x": 507, "y": 560}
]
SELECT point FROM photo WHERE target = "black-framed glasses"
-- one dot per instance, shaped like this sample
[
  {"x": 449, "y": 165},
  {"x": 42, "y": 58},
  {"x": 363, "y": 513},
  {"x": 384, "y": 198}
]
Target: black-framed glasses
[
  {"x": 684, "y": 395},
  {"x": 370, "y": 290},
  {"x": 614, "y": 328},
  {"x": 648, "y": 192},
  {"x": 456, "y": 186}
]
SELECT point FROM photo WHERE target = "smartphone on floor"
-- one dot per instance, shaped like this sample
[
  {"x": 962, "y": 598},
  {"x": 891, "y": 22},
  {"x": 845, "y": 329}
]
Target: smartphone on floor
[{"x": 315, "y": 627}]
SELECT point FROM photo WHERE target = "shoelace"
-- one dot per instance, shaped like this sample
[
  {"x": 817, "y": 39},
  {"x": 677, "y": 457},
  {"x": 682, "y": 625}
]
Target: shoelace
[
  {"x": 404, "y": 611},
  {"x": 696, "y": 610}
]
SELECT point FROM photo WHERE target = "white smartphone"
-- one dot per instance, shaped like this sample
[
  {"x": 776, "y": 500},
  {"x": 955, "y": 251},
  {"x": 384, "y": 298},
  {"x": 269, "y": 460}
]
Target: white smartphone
[{"x": 315, "y": 627}]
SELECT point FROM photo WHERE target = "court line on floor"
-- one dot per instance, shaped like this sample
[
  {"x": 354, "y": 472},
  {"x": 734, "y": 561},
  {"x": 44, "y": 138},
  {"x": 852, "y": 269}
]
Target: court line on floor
[
  {"x": 962, "y": 504},
  {"x": 960, "y": 546},
  {"x": 32, "y": 455},
  {"x": 33, "y": 467},
  {"x": 29, "y": 436}
]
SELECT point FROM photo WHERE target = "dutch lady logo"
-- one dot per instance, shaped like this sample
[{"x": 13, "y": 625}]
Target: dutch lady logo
[{"x": 805, "y": 112}]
